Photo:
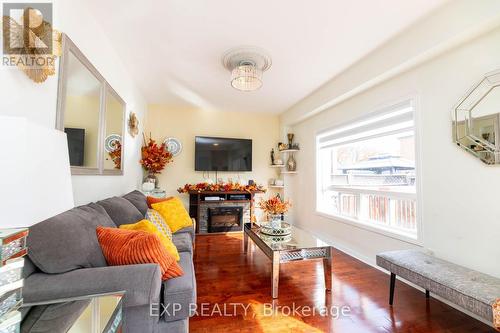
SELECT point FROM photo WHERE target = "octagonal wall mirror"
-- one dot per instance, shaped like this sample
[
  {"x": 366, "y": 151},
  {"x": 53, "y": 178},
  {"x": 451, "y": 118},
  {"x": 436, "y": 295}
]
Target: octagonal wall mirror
[
  {"x": 91, "y": 114},
  {"x": 476, "y": 120}
]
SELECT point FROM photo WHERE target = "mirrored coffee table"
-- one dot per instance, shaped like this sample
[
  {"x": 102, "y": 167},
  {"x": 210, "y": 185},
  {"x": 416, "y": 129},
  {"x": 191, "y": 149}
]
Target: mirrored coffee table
[
  {"x": 101, "y": 313},
  {"x": 299, "y": 245}
]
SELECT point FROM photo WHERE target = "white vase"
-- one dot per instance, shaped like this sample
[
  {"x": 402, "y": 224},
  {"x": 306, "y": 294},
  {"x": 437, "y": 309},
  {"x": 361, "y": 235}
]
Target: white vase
[{"x": 275, "y": 221}]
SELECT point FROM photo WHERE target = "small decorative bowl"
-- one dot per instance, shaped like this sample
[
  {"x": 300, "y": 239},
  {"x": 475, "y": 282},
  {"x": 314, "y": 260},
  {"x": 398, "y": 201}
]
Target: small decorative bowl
[
  {"x": 285, "y": 229},
  {"x": 276, "y": 239}
]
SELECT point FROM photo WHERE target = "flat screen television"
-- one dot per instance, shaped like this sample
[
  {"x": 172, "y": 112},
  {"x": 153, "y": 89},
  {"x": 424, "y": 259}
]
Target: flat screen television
[
  {"x": 76, "y": 145},
  {"x": 222, "y": 154}
]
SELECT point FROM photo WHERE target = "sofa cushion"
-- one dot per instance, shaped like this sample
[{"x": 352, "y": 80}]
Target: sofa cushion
[
  {"x": 29, "y": 268},
  {"x": 68, "y": 241},
  {"x": 130, "y": 247},
  {"x": 183, "y": 242},
  {"x": 180, "y": 291},
  {"x": 174, "y": 213},
  {"x": 121, "y": 210},
  {"x": 153, "y": 200},
  {"x": 147, "y": 226},
  {"x": 138, "y": 199},
  {"x": 159, "y": 222}
]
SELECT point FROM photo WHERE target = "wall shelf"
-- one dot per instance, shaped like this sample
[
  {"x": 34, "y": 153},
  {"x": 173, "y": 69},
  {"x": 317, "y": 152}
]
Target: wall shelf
[{"x": 283, "y": 168}]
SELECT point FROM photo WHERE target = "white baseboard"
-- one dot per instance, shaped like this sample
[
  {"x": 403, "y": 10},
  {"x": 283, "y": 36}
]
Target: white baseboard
[{"x": 372, "y": 262}]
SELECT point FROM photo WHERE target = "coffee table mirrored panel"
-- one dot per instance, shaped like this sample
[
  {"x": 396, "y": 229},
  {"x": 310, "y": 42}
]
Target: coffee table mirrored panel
[
  {"x": 100, "y": 313},
  {"x": 298, "y": 245}
]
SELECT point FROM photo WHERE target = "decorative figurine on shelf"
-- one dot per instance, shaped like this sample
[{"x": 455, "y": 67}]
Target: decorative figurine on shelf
[
  {"x": 272, "y": 156},
  {"x": 282, "y": 146},
  {"x": 291, "y": 164},
  {"x": 290, "y": 140}
]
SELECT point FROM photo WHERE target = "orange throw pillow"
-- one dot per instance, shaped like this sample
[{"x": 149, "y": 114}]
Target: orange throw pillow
[
  {"x": 130, "y": 247},
  {"x": 153, "y": 200}
]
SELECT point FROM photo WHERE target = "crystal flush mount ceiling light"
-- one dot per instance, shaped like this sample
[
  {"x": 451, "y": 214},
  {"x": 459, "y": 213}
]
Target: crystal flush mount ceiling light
[{"x": 246, "y": 65}]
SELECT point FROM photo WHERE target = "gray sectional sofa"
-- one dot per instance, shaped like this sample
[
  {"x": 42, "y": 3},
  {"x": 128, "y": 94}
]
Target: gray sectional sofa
[{"x": 65, "y": 260}]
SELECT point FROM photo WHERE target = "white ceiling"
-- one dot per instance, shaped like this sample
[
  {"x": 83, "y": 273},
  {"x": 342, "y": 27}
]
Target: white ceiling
[{"x": 173, "y": 48}]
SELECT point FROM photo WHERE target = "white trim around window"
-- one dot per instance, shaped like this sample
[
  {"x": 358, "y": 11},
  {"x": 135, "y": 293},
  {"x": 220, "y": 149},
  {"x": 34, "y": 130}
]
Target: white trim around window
[{"x": 366, "y": 128}]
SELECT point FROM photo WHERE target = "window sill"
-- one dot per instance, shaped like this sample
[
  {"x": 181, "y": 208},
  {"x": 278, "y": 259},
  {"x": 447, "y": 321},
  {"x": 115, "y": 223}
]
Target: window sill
[{"x": 379, "y": 230}]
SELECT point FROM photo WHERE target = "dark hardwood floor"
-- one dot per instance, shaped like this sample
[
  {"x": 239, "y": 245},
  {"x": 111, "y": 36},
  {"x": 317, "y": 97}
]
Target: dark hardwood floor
[{"x": 226, "y": 278}]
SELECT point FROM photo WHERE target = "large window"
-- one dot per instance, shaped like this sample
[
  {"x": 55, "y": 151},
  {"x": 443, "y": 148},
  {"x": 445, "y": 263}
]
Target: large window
[{"x": 366, "y": 172}]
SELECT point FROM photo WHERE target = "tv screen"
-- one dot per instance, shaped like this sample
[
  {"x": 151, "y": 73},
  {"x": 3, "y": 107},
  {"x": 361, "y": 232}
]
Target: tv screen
[
  {"x": 76, "y": 145},
  {"x": 223, "y": 154}
]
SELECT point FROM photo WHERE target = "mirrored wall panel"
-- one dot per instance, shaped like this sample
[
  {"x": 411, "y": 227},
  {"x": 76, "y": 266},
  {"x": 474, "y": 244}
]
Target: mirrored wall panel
[
  {"x": 114, "y": 131},
  {"x": 476, "y": 120},
  {"x": 91, "y": 114},
  {"x": 82, "y": 112}
]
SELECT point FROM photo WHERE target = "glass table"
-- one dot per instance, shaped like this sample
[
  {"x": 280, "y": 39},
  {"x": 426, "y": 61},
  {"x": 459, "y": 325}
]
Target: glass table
[
  {"x": 101, "y": 313},
  {"x": 299, "y": 245}
]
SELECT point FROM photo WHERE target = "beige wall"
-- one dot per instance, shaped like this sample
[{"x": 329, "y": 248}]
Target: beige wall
[{"x": 185, "y": 124}]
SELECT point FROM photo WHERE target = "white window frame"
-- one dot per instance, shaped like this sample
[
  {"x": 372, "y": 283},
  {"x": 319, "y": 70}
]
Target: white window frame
[{"x": 416, "y": 239}]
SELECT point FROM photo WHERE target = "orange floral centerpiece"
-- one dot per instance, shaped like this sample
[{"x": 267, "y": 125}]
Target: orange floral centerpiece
[
  {"x": 154, "y": 158},
  {"x": 275, "y": 207}
]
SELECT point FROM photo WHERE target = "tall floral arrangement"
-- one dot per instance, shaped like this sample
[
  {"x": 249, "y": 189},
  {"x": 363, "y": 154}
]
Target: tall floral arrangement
[
  {"x": 275, "y": 205},
  {"x": 154, "y": 157}
]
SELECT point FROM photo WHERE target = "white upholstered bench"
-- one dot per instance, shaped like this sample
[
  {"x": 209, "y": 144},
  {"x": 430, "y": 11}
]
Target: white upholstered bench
[{"x": 474, "y": 291}]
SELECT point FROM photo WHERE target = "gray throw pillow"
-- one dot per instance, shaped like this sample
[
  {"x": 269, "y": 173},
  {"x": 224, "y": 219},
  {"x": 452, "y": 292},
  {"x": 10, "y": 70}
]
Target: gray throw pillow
[
  {"x": 138, "y": 199},
  {"x": 68, "y": 241},
  {"x": 121, "y": 210}
]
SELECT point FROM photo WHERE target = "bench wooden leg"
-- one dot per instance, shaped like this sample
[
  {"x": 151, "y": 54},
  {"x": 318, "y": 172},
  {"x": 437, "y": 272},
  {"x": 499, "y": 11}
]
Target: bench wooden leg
[
  {"x": 391, "y": 288},
  {"x": 427, "y": 293}
]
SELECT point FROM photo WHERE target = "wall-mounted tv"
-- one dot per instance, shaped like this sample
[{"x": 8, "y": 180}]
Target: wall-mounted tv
[
  {"x": 76, "y": 145},
  {"x": 222, "y": 154}
]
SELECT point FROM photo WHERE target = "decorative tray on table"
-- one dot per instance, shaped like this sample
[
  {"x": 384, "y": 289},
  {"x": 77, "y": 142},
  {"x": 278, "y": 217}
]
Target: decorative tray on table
[{"x": 285, "y": 229}]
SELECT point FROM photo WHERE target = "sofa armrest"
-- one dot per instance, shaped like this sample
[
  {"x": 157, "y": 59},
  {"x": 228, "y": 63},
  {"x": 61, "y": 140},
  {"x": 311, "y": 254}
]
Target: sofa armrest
[
  {"x": 191, "y": 230},
  {"x": 142, "y": 284}
]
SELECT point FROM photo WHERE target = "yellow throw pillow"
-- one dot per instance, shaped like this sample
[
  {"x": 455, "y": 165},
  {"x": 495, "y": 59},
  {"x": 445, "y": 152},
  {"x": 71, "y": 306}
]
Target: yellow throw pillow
[
  {"x": 174, "y": 213},
  {"x": 147, "y": 226}
]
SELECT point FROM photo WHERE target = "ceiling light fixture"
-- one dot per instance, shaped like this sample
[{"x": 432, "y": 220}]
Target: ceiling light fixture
[{"x": 246, "y": 65}]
